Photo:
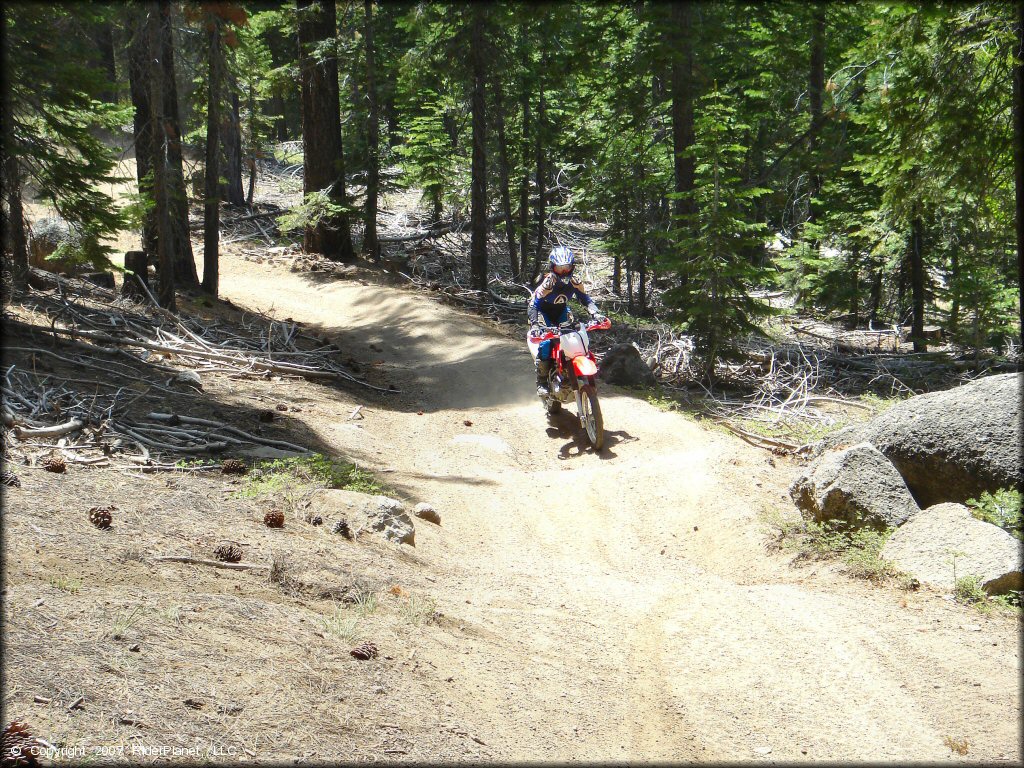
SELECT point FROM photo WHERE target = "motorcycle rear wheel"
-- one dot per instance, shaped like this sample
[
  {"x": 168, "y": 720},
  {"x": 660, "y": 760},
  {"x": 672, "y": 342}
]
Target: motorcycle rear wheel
[{"x": 590, "y": 416}]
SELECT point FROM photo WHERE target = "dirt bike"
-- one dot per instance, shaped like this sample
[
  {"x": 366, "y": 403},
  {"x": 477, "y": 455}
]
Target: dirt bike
[{"x": 573, "y": 373}]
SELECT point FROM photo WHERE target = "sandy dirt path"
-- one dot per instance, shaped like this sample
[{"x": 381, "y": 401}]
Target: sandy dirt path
[{"x": 626, "y": 605}]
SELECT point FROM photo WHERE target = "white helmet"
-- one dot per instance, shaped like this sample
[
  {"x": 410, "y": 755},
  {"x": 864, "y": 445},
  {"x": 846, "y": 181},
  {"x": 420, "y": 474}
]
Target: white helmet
[{"x": 562, "y": 261}]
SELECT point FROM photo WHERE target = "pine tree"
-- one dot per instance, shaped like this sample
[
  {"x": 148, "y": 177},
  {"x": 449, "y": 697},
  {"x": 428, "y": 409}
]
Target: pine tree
[
  {"x": 708, "y": 245},
  {"x": 51, "y": 103}
]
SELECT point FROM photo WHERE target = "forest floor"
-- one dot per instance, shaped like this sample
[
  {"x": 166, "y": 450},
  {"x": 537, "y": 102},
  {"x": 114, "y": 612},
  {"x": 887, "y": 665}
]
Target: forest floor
[
  {"x": 571, "y": 606},
  {"x": 630, "y": 605}
]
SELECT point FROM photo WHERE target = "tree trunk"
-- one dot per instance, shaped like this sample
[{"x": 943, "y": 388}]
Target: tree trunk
[
  {"x": 643, "y": 228},
  {"x": 323, "y": 165},
  {"x": 682, "y": 106},
  {"x": 524, "y": 190},
  {"x": 917, "y": 285},
  {"x": 683, "y": 136},
  {"x": 539, "y": 150},
  {"x": 159, "y": 129},
  {"x": 211, "y": 204},
  {"x": 815, "y": 95},
  {"x": 136, "y": 264},
  {"x": 853, "y": 262},
  {"x": 276, "y": 108},
  {"x": 478, "y": 183},
  {"x": 876, "y": 294},
  {"x": 145, "y": 146},
  {"x": 954, "y": 279},
  {"x": 185, "y": 274},
  {"x": 370, "y": 246},
  {"x": 253, "y": 139},
  {"x": 103, "y": 37},
  {"x": 617, "y": 226},
  {"x": 1018, "y": 157},
  {"x": 503, "y": 178},
  {"x": 231, "y": 142},
  {"x": 15, "y": 229}
]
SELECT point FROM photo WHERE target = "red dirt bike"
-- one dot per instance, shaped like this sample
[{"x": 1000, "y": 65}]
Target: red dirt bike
[{"x": 573, "y": 374}]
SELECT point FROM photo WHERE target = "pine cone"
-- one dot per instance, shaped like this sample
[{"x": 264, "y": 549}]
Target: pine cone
[
  {"x": 55, "y": 464},
  {"x": 364, "y": 651},
  {"x": 18, "y": 746},
  {"x": 101, "y": 517},
  {"x": 228, "y": 553},
  {"x": 342, "y": 527},
  {"x": 282, "y": 407},
  {"x": 233, "y": 467},
  {"x": 317, "y": 520},
  {"x": 274, "y": 519},
  {"x": 11, "y": 480}
]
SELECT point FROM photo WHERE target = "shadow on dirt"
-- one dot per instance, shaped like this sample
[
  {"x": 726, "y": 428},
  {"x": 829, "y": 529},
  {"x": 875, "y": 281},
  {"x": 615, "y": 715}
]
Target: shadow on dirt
[
  {"x": 437, "y": 362},
  {"x": 74, "y": 379},
  {"x": 565, "y": 424}
]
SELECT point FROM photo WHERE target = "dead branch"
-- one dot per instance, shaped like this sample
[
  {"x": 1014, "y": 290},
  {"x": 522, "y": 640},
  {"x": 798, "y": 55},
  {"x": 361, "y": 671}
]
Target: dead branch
[
  {"x": 211, "y": 563},
  {"x": 61, "y": 429}
]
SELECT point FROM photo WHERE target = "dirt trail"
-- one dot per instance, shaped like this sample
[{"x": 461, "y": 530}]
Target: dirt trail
[{"x": 625, "y": 603}]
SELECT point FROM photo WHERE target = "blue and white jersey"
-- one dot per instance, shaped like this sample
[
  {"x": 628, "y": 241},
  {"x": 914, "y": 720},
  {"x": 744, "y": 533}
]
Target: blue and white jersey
[{"x": 553, "y": 294}]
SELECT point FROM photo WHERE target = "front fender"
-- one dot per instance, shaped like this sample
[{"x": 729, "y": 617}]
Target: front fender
[{"x": 584, "y": 366}]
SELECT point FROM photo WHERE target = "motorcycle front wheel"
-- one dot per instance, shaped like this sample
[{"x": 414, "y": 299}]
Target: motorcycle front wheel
[{"x": 590, "y": 416}]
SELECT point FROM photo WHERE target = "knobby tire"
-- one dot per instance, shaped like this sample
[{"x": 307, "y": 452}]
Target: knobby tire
[{"x": 588, "y": 402}]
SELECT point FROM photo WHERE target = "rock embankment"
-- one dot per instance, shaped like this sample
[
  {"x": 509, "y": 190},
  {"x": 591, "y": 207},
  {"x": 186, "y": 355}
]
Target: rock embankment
[
  {"x": 857, "y": 486},
  {"x": 943, "y": 543},
  {"x": 951, "y": 445},
  {"x": 911, "y": 467}
]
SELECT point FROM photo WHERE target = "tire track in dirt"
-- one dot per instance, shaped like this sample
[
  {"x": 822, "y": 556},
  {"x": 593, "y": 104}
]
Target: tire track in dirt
[{"x": 629, "y": 607}]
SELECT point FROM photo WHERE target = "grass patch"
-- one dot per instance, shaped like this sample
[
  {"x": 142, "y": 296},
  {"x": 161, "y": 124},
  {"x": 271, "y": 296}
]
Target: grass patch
[
  {"x": 305, "y": 473},
  {"x": 879, "y": 404},
  {"x": 968, "y": 591},
  {"x": 192, "y": 463},
  {"x": 1001, "y": 508},
  {"x": 365, "y": 603},
  {"x": 791, "y": 430},
  {"x": 123, "y": 621},
  {"x": 960, "y": 746},
  {"x": 64, "y": 584},
  {"x": 340, "y": 625},
  {"x": 859, "y": 550},
  {"x": 656, "y": 397},
  {"x": 417, "y": 610}
]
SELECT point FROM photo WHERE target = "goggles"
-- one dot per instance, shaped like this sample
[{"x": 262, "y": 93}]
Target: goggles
[{"x": 562, "y": 269}]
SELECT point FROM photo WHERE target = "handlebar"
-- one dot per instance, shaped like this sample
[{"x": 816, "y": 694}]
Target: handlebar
[{"x": 554, "y": 331}]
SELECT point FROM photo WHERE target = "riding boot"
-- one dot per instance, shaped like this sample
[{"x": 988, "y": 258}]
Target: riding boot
[{"x": 543, "y": 368}]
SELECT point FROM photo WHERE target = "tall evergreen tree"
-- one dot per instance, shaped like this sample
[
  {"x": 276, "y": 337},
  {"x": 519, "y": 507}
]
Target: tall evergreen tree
[
  {"x": 478, "y": 214},
  {"x": 327, "y": 230}
]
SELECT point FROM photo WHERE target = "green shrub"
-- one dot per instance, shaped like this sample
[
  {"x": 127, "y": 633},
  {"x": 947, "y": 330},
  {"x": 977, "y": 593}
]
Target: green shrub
[
  {"x": 967, "y": 590},
  {"x": 858, "y": 549},
  {"x": 1001, "y": 508},
  {"x": 316, "y": 471}
]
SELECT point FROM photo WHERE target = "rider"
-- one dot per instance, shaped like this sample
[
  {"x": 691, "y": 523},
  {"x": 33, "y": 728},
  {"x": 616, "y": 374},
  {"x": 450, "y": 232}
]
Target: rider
[{"x": 551, "y": 301}]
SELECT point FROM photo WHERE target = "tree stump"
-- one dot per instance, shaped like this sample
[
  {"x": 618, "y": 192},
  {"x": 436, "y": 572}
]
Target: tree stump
[
  {"x": 135, "y": 262},
  {"x": 102, "y": 279}
]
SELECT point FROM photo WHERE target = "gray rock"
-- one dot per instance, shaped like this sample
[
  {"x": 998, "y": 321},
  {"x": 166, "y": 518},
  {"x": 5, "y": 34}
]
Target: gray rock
[
  {"x": 189, "y": 377},
  {"x": 857, "y": 486},
  {"x": 951, "y": 445},
  {"x": 427, "y": 512},
  {"x": 366, "y": 512},
  {"x": 622, "y": 364},
  {"x": 926, "y": 545},
  {"x": 47, "y": 235}
]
